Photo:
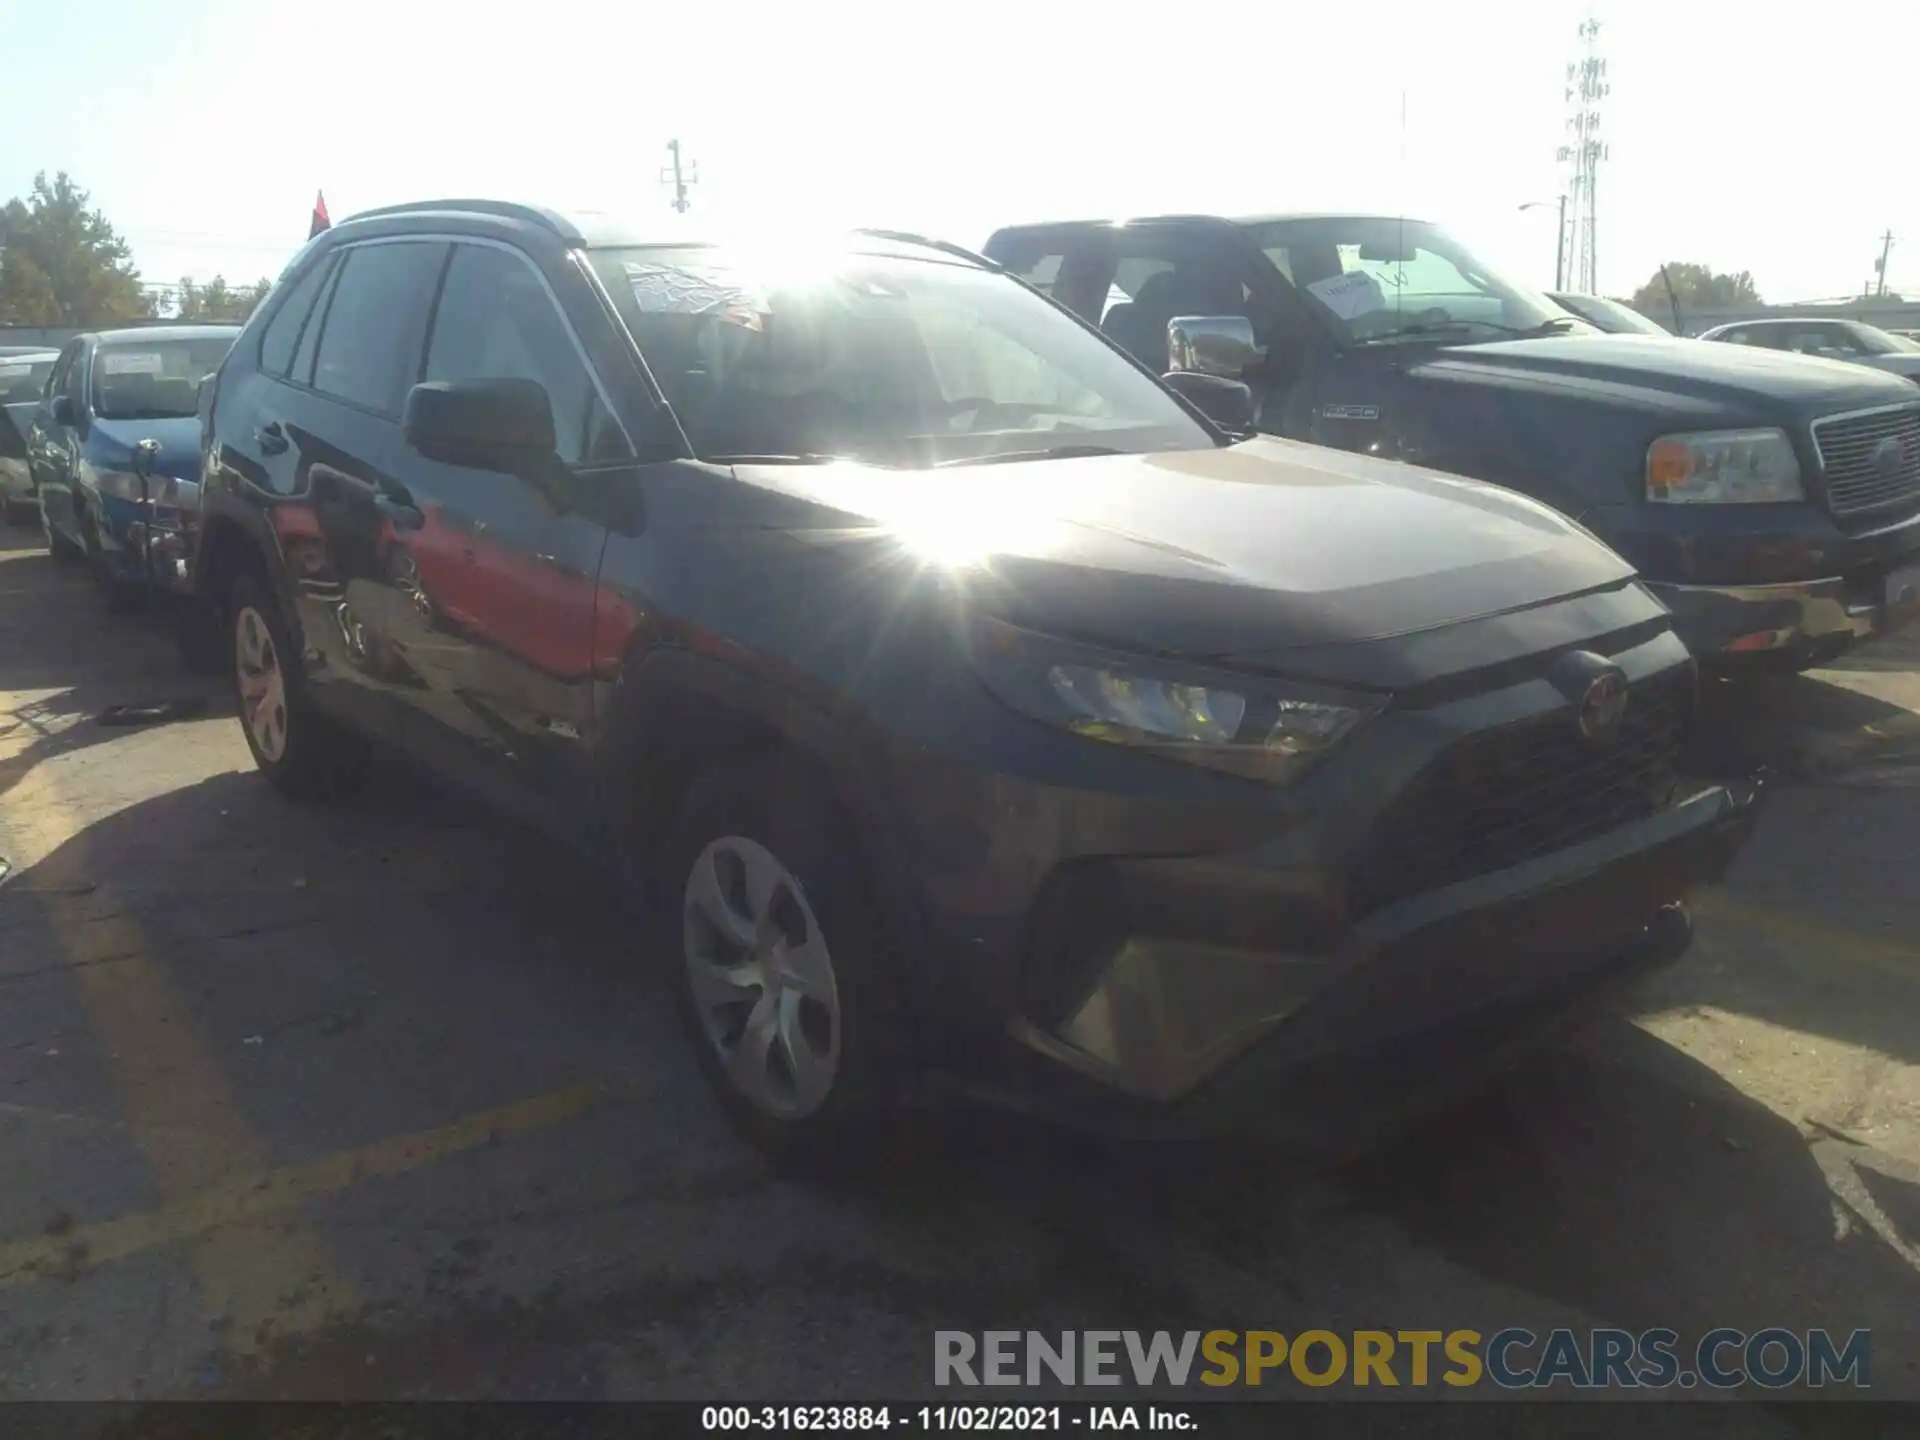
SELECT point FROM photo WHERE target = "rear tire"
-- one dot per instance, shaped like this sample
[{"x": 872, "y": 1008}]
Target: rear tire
[
  {"x": 789, "y": 998},
  {"x": 304, "y": 754}
]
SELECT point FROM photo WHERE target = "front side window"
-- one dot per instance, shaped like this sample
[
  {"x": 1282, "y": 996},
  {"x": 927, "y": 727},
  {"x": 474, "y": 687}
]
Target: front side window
[
  {"x": 376, "y": 323},
  {"x": 886, "y": 358},
  {"x": 1379, "y": 280},
  {"x": 141, "y": 379},
  {"x": 1831, "y": 341},
  {"x": 1872, "y": 340},
  {"x": 495, "y": 322}
]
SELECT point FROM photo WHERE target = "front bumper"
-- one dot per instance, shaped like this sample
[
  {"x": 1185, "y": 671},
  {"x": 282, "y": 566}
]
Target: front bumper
[
  {"x": 139, "y": 549},
  {"x": 1803, "y": 623},
  {"x": 1769, "y": 584},
  {"x": 1408, "y": 1003}
]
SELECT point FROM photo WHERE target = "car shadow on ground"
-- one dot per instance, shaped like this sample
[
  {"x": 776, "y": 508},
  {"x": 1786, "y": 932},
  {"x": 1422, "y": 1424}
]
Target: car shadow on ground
[
  {"x": 1611, "y": 1178},
  {"x": 1790, "y": 723},
  {"x": 68, "y": 662}
]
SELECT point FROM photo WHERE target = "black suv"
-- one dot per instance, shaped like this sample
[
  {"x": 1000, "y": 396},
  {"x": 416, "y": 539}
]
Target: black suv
[
  {"x": 1772, "y": 502},
  {"x": 976, "y": 707}
]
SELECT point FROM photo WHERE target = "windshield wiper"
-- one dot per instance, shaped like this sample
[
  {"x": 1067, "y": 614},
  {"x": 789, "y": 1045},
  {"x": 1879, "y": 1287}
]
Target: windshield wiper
[
  {"x": 802, "y": 458},
  {"x": 1447, "y": 327},
  {"x": 1052, "y": 452}
]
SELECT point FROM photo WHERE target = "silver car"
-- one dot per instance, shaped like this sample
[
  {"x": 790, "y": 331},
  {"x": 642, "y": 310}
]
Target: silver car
[
  {"x": 1852, "y": 340},
  {"x": 23, "y": 378}
]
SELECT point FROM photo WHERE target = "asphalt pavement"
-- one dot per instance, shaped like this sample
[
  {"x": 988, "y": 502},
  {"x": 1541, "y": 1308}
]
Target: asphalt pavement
[{"x": 383, "y": 1099}]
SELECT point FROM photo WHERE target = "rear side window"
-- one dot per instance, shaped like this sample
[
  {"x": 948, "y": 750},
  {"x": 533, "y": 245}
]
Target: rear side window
[
  {"x": 496, "y": 322},
  {"x": 376, "y": 323},
  {"x": 283, "y": 331}
]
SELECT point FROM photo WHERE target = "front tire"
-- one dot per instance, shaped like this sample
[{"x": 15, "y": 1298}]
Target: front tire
[
  {"x": 119, "y": 596},
  {"x": 304, "y": 754},
  {"x": 787, "y": 994},
  {"x": 58, "y": 545}
]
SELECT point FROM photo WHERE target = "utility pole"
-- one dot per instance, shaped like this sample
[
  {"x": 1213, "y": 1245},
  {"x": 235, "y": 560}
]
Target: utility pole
[
  {"x": 679, "y": 178},
  {"x": 1886, "y": 248},
  {"x": 1586, "y": 87}
]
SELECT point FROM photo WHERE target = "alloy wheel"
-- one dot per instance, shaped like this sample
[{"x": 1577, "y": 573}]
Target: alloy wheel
[
  {"x": 263, "y": 685},
  {"x": 761, "y": 978}
]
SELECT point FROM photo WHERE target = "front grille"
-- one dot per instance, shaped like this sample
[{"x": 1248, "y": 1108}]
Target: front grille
[
  {"x": 1864, "y": 470},
  {"x": 1505, "y": 795}
]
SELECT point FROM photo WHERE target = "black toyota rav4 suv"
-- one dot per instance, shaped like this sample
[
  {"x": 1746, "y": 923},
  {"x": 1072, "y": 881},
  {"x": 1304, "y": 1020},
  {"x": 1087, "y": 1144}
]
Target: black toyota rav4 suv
[{"x": 974, "y": 707}]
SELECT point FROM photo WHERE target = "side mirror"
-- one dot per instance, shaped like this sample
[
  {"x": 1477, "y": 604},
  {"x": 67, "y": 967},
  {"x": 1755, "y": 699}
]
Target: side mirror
[
  {"x": 1227, "y": 403},
  {"x": 63, "y": 410},
  {"x": 1212, "y": 345},
  {"x": 504, "y": 424}
]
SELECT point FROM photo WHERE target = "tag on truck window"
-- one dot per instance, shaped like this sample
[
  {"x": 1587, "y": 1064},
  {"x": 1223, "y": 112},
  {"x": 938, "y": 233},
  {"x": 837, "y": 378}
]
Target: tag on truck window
[
  {"x": 1351, "y": 295},
  {"x": 132, "y": 362}
]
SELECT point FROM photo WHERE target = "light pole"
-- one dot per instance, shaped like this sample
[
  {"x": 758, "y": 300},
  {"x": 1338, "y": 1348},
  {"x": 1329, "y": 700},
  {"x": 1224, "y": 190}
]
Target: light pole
[{"x": 1559, "y": 239}]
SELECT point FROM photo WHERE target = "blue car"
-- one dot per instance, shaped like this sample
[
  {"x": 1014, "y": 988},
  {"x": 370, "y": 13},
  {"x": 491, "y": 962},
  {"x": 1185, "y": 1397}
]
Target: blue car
[
  {"x": 105, "y": 495},
  {"x": 23, "y": 379}
]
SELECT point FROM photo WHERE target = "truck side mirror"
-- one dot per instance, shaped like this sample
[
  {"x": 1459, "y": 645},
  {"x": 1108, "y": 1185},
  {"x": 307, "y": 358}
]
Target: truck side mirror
[{"x": 1220, "y": 345}]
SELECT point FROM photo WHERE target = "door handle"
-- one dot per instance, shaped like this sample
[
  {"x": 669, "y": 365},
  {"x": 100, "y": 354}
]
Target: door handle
[
  {"x": 272, "y": 439},
  {"x": 397, "y": 505}
]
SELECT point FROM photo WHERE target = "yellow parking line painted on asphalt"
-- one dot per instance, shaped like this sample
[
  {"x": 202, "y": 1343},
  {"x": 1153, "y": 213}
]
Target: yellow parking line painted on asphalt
[
  {"x": 245, "y": 1201},
  {"x": 180, "y": 1109},
  {"x": 1831, "y": 942}
]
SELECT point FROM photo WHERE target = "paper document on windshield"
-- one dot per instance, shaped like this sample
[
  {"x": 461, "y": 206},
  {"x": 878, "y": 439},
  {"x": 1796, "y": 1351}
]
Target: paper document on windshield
[
  {"x": 1351, "y": 295},
  {"x": 663, "y": 289},
  {"x": 132, "y": 362}
]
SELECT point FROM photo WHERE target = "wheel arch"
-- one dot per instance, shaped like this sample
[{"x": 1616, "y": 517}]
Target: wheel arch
[{"x": 677, "y": 714}]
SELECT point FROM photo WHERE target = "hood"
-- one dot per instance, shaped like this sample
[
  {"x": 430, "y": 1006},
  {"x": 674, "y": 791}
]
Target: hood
[
  {"x": 1903, "y": 364},
  {"x": 1735, "y": 376},
  {"x": 1262, "y": 546},
  {"x": 110, "y": 445}
]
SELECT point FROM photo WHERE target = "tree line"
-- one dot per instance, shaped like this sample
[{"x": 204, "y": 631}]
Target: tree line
[{"x": 62, "y": 264}]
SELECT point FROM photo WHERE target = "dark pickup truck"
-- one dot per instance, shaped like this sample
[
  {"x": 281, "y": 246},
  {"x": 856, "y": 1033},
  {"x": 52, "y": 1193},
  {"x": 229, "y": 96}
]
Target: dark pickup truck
[{"x": 1771, "y": 501}]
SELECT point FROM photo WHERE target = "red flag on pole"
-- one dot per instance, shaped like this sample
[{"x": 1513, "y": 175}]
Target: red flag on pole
[{"x": 320, "y": 220}]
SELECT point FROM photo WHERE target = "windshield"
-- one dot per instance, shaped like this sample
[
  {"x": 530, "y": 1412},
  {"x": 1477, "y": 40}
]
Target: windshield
[
  {"x": 1610, "y": 315},
  {"x": 22, "y": 380},
  {"x": 154, "y": 379},
  {"x": 1380, "y": 279},
  {"x": 1876, "y": 341},
  {"x": 885, "y": 358}
]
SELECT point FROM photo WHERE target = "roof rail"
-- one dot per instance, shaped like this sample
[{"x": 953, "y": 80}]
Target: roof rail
[
  {"x": 908, "y": 237},
  {"x": 505, "y": 209}
]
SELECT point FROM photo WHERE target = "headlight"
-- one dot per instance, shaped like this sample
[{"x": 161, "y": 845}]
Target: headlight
[
  {"x": 1724, "y": 467},
  {"x": 1264, "y": 730}
]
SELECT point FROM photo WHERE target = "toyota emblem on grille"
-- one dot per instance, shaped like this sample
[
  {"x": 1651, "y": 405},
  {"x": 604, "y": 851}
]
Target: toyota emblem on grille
[
  {"x": 1888, "y": 456},
  {"x": 1603, "y": 705}
]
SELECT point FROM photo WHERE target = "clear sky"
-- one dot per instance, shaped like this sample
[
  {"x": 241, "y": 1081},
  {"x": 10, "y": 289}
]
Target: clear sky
[{"x": 1774, "y": 138}]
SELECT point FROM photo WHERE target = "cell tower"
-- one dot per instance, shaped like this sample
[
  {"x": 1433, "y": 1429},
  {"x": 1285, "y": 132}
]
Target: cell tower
[{"x": 1586, "y": 88}]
